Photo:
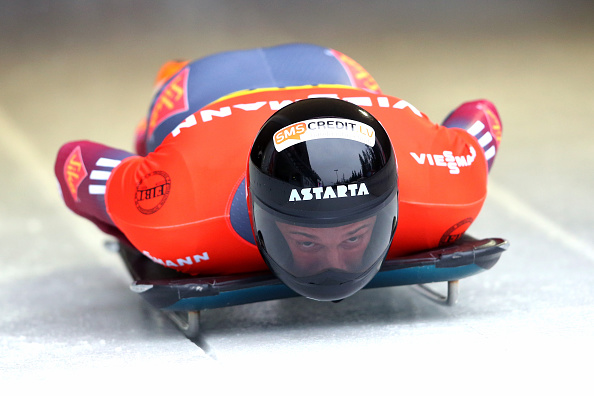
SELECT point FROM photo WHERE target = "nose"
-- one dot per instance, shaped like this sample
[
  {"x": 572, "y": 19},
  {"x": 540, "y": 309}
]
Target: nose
[{"x": 335, "y": 259}]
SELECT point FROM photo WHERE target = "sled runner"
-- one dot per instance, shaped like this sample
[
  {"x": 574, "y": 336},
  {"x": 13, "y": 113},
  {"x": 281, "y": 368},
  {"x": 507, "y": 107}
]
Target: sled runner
[{"x": 182, "y": 297}]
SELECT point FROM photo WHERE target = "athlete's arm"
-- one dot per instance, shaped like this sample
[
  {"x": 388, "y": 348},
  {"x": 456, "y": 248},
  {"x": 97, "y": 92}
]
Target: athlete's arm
[
  {"x": 481, "y": 119},
  {"x": 82, "y": 169}
]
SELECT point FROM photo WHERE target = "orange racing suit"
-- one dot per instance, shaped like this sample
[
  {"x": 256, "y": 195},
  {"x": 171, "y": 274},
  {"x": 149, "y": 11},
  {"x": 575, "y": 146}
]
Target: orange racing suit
[{"x": 183, "y": 204}]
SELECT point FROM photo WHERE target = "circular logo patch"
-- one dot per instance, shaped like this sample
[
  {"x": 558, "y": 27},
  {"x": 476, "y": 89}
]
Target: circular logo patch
[
  {"x": 152, "y": 192},
  {"x": 453, "y": 233}
]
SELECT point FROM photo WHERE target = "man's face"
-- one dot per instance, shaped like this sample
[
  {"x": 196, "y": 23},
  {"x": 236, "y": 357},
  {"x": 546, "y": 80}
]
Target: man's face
[{"x": 318, "y": 249}]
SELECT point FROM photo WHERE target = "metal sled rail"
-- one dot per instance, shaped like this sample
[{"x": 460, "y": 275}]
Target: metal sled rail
[{"x": 182, "y": 297}]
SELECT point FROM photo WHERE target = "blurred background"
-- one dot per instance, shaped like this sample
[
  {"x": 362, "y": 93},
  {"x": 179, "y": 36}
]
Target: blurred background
[{"x": 84, "y": 70}]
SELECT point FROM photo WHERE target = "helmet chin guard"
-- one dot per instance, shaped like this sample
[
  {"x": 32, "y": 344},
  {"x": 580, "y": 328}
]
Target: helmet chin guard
[{"x": 323, "y": 195}]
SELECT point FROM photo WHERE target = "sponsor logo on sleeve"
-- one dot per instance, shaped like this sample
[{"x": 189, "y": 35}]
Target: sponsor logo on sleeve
[
  {"x": 74, "y": 172},
  {"x": 179, "y": 262},
  {"x": 495, "y": 125},
  {"x": 324, "y": 128},
  {"x": 455, "y": 232},
  {"x": 446, "y": 159},
  {"x": 152, "y": 192}
]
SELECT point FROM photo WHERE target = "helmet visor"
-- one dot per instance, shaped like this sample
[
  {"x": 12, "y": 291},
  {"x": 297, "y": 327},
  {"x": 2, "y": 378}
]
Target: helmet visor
[{"x": 347, "y": 250}]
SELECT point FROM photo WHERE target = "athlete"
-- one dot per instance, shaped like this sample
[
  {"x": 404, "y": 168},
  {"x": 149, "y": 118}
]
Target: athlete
[{"x": 287, "y": 158}]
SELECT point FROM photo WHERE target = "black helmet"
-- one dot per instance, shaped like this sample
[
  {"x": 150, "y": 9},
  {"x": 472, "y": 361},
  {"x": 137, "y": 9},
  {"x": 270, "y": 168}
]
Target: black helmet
[{"x": 323, "y": 196}]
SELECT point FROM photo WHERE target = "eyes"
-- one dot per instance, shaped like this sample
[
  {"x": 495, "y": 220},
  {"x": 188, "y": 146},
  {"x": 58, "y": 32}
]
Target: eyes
[{"x": 311, "y": 246}]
